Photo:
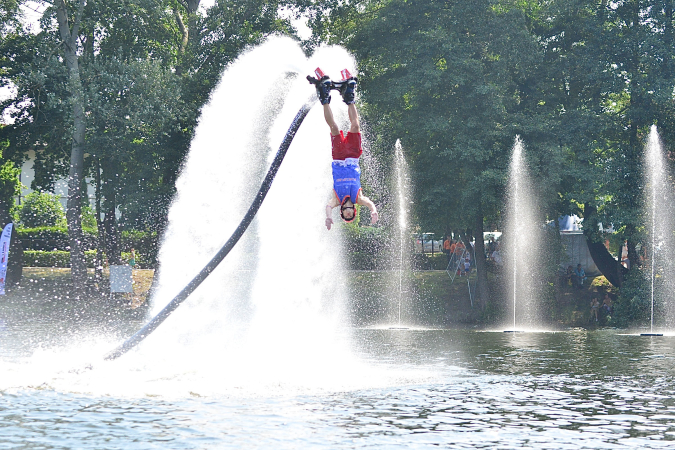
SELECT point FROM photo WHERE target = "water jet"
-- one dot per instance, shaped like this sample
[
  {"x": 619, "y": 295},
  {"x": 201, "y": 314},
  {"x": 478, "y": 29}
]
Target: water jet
[
  {"x": 659, "y": 210},
  {"x": 521, "y": 242}
]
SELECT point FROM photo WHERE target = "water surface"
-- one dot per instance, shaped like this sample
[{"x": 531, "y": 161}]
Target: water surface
[{"x": 407, "y": 389}]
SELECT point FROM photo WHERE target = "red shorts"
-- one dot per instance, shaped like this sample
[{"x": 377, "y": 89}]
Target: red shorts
[{"x": 346, "y": 147}]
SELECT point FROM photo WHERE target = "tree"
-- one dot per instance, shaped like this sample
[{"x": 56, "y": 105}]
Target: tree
[
  {"x": 129, "y": 84},
  {"x": 455, "y": 81},
  {"x": 41, "y": 209},
  {"x": 69, "y": 35},
  {"x": 608, "y": 64}
]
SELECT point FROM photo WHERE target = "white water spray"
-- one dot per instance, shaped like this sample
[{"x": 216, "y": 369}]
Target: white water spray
[
  {"x": 273, "y": 308},
  {"x": 268, "y": 320},
  {"x": 660, "y": 213},
  {"x": 523, "y": 240},
  {"x": 403, "y": 188}
]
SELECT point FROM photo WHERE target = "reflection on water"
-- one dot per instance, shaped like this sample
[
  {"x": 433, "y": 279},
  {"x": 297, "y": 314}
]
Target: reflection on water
[{"x": 424, "y": 388}]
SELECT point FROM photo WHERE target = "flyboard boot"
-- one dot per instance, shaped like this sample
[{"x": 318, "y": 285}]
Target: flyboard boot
[
  {"x": 347, "y": 86},
  {"x": 323, "y": 85}
]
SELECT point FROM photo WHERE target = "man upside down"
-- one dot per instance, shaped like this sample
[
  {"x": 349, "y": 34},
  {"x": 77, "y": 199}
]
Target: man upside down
[{"x": 346, "y": 152}]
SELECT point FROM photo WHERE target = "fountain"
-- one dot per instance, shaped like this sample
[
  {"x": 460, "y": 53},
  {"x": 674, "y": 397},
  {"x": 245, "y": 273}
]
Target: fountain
[
  {"x": 660, "y": 214},
  {"x": 259, "y": 358},
  {"x": 522, "y": 240},
  {"x": 403, "y": 187},
  {"x": 283, "y": 281}
]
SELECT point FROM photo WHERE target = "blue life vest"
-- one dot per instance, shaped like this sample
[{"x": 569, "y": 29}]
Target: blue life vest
[{"x": 347, "y": 179}]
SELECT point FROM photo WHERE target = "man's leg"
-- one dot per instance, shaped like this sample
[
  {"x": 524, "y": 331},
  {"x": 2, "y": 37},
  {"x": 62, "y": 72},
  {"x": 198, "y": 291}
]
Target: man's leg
[
  {"x": 330, "y": 120},
  {"x": 353, "y": 119}
]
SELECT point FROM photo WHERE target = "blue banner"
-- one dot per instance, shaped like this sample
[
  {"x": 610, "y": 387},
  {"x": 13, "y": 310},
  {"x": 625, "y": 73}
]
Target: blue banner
[{"x": 4, "y": 255}]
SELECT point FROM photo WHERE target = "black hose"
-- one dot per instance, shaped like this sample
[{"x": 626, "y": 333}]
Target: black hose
[{"x": 222, "y": 253}]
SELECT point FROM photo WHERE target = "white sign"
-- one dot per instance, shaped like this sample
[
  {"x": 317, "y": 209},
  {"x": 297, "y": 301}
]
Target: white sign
[{"x": 120, "y": 279}]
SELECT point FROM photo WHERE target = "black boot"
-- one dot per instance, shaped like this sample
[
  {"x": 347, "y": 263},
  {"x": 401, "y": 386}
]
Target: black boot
[
  {"x": 347, "y": 90},
  {"x": 323, "y": 87}
]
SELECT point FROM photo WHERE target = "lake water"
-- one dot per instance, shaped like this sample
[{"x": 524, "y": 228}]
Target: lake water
[{"x": 418, "y": 388}]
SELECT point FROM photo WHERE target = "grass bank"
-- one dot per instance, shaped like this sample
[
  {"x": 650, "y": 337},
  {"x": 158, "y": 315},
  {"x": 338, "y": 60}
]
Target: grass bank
[
  {"x": 54, "y": 283},
  {"x": 426, "y": 298},
  {"x": 431, "y": 298}
]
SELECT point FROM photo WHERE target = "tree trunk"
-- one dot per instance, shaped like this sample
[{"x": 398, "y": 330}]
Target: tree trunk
[
  {"x": 112, "y": 249},
  {"x": 482, "y": 289},
  {"x": 607, "y": 265},
  {"x": 188, "y": 30},
  {"x": 75, "y": 174},
  {"x": 100, "y": 245}
]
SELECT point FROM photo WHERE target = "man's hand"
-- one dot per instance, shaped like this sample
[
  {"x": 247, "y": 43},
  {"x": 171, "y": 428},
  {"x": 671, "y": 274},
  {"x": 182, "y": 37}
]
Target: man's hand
[
  {"x": 329, "y": 222},
  {"x": 373, "y": 217}
]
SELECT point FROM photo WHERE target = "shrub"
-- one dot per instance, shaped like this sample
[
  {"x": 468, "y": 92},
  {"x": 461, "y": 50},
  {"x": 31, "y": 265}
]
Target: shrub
[
  {"x": 56, "y": 258},
  {"x": 53, "y": 238},
  {"x": 366, "y": 246},
  {"x": 40, "y": 209},
  {"x": 88, "y": 218}
]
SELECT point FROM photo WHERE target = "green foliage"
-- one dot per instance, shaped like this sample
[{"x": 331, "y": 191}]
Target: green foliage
[
  {"x": 10, "y": 186},
  {"x": 455, "y": 81},
  {"x": 632, "y": 307},
  {"x": 142, "y": 87},
  {"x": 41, "y": 209},
  {"x": 88, "y": 218},
  {"x": 53, "y": 238},
  {"x": 55, "y": 258},
  {"x": 367, "y": 247}
]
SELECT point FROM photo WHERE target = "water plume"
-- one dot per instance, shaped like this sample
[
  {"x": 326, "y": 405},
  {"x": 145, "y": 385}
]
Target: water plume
[
  {"x": 403, "y": 192},
  {"x": 659, "y": 201},
  {"x": 272, "y": 311},
  {"x": 522, "y": 243}
]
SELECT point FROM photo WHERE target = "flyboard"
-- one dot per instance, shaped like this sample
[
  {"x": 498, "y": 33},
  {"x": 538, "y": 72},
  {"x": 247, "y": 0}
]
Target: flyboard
[
  {"x": 337, "y": 85},
  {"x": 222, "y": 253}
]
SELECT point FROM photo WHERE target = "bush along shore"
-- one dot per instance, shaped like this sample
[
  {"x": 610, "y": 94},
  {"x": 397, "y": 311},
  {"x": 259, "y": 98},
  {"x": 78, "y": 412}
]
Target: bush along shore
[
  {"x": 48, "y": 246},
  {"x": 432, "y": 298}
]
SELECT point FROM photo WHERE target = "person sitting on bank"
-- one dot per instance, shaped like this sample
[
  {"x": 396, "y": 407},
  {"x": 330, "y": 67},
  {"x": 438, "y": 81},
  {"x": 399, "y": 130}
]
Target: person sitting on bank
[
  {"x": 607, "y": 304},
  {"x": 595, "y": 306},
  {"x": 569, "y": 276},
  {"x": 579, "y": 276}
]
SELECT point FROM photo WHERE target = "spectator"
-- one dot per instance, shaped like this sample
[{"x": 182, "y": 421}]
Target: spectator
[
  {"x": 607, "y": 304},
  {"x": 459, "y": 248},
  {"x": 497, "y": 257},
  {"x": 132, "y": 258},
  {"x": 580, "y": 277},
  {"x": 454, "y": 251},
  {"x": 595, "y": 305},
  {"x": 467, "y": 266},
  {"x": 492, "y": 246},
  {"x": 624, "y": 255},
  {"x": 446, "y": 248},
  {"x": 569, "y": 276}
]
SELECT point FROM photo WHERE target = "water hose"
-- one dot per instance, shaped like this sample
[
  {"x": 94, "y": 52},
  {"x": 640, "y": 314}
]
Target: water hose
[{"x": 222, "y": 253}]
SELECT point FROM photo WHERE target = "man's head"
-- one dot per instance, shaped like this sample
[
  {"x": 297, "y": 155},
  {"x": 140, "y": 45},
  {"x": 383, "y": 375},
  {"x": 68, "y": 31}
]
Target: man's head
[{"x": 347, "y": 210}]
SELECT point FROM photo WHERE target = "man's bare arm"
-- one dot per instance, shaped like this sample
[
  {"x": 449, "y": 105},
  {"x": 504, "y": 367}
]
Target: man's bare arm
[
  {"x": 365, "y": 201},
  {"x": 332, "y": 203}
]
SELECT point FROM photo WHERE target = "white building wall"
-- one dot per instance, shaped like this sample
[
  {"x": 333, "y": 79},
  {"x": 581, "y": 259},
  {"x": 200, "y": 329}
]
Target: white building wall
[{"x": 60, "y": 186}]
